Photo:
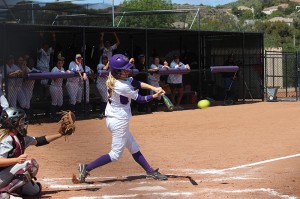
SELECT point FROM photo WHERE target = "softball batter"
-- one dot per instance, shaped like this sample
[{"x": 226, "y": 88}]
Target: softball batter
[
  {"x": 121, "y": 90},
  {"x": 15, "y": 170}
]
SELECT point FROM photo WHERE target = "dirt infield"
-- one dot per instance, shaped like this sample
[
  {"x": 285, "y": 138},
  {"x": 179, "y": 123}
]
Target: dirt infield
[{"x": 240, "y": 151}]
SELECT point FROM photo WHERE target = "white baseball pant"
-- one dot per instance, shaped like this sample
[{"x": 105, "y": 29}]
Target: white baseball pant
[
  {"x": 27, "y": 89},
  {"x": 72, "y": 89},
  {"x": 121, "y": 138},
  {"x": 56, "y": 93}
]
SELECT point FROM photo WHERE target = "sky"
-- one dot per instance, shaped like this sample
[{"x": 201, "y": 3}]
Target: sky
[{"x": 192, "y": 2}]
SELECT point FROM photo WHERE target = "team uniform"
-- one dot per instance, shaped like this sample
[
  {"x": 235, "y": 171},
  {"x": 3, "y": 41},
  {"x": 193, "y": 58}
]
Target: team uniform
[
  {"x": 101, "y": 84},
  {"x": 80, "y": 94},
  {"x": 56, "y": 90},
  {"x": 72, "y": 84},
  {"x": 118, "y": 114},
  {"x": 27, "y": 88},
  {"x": 108, "y": 51},
  {"x": 43, "y": 62},
  {"x": 154, "y": 78},
  {"x": 15, "y": 88}
]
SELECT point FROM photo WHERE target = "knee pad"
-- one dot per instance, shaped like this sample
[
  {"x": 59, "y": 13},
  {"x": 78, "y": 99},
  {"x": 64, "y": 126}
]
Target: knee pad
[
  {"x": 30, "y": 170},
  {"x": 22, "y": 177},
  {"x": 15, "y": 185}
]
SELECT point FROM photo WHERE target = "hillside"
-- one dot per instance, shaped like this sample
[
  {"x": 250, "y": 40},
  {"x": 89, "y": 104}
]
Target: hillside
[{"x": 283, "y": 31}]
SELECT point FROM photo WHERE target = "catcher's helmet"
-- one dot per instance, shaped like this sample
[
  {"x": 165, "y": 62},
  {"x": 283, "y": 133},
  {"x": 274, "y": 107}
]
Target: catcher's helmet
[
  {"x": 119, "y": 62},
  {"x": 13, "y": 118}
]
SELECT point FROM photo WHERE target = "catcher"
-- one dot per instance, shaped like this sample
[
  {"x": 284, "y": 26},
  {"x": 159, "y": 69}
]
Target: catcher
[{"x": 17, "y": 172}]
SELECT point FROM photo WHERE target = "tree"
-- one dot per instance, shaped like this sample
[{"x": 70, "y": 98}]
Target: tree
[
  {"x": 152, "y": 20},
  {"x": 235, "y": 11}
]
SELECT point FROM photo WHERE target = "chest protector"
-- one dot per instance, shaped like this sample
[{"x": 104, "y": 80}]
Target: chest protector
[{"x": 18, "y": 146}]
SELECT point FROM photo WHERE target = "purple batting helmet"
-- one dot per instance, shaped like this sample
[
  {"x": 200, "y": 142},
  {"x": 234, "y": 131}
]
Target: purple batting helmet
[{"x": 119, "y": 62}]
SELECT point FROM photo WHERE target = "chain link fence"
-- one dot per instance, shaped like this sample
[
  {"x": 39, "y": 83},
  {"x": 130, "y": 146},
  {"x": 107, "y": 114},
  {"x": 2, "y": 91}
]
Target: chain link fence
[{"x": 281, "y": 74}]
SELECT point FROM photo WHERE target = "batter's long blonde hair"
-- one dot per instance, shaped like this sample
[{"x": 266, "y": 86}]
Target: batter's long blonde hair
[{"x": 110, "y": 83}]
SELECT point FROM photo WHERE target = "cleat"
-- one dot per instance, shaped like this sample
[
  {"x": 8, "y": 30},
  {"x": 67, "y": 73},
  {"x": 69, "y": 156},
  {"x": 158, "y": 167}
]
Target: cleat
[
  {"x": 156, "y": 175},
  {"x": 83, "y": 173}
]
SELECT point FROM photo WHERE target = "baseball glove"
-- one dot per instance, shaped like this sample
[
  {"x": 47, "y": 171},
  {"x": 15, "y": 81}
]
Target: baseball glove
[{"x": 67, "y": 123}]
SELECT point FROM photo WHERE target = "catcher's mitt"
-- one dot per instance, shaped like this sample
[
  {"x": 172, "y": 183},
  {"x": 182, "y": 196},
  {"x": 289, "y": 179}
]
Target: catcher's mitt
[{"x": 67, "y": 123}]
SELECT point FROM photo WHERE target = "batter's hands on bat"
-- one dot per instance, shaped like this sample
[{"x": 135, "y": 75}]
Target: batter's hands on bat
[
  {"x": 131, "y": 60},
  {"x": 22, "y": 158},
  {"x": 158, "y": 92},
  {"x": 158, "y": 89}
]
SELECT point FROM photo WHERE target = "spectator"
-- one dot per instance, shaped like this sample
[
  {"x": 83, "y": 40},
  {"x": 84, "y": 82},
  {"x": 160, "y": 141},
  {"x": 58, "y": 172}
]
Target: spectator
[
  {"x": 101, "y": 83},
  {"x": 154, "y": 79},
  {"x": 44, "y": 56},
  {"x": 175, "y": 82},
  {"x": 14, "y": 82},
  {"x": 142, "y": 76},
  {"x": 85, "y": 80},
  {"x": 106, "y": 48},
  {"x": 72, "y": 84},
  {"x": 28, "y": 84},
  {"x": 56, "y": 90}
]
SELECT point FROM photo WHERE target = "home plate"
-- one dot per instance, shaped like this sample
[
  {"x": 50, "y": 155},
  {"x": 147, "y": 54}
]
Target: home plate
[{"x": 148, "y": 188}]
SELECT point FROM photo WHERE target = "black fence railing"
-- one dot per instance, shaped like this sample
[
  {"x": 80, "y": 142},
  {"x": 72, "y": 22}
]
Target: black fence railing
[{"x": 281, "y": 72}]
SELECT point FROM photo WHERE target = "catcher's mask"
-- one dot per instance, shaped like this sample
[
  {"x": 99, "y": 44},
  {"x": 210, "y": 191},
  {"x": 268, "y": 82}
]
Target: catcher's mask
[
  {"x": 117, "y": 63},
  {"x": 14, "y": 118}
]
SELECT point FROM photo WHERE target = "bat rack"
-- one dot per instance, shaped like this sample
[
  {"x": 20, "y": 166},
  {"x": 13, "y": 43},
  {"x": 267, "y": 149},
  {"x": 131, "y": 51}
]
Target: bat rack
[{"x": 229, "y": 69}]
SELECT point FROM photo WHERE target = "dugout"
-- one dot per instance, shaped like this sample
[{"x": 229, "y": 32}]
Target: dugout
[{"x": 200, "y": 49}]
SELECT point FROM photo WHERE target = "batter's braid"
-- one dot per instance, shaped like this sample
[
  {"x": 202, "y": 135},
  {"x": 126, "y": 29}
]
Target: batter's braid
[{"x": 110, "y": 83}]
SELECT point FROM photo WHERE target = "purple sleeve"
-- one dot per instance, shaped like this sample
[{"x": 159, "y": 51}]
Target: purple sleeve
[
  {"x": 136, "y": 84},
  {"x": 143, "y": 99}
]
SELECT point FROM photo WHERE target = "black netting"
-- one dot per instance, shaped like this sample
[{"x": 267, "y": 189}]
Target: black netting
[{"x": 199, "y": 49}]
